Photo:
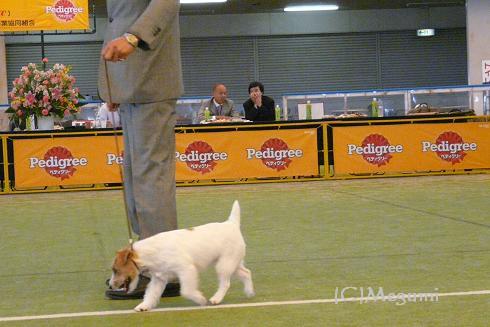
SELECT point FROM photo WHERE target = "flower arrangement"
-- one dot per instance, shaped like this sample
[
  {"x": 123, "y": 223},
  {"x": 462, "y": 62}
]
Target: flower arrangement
[{"x": 41, "y": 92}]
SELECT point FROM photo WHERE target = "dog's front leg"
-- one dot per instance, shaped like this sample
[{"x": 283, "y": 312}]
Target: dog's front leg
[
  {"x": 189, "y": 283},
  {"x": 153, "y": 293}
]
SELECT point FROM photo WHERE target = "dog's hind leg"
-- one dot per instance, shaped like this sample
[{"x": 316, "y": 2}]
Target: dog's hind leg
[
  {"x": 152, "y": 294},
  {"x": 189, "y": 285},
  {"x": 245, "y": 276}
]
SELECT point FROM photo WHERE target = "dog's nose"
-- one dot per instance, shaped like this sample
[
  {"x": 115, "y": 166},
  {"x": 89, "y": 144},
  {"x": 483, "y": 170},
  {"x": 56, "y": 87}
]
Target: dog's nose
[{"x": 108, "y": 283}]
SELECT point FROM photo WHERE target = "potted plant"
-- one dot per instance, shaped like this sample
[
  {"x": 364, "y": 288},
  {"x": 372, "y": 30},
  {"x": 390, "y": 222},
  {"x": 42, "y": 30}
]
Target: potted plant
[{"x": 43, "y": 94}]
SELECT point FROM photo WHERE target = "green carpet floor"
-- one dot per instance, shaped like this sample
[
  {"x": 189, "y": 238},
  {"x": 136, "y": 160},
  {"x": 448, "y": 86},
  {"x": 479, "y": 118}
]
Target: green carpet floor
[{"x": 304, "y": 240}]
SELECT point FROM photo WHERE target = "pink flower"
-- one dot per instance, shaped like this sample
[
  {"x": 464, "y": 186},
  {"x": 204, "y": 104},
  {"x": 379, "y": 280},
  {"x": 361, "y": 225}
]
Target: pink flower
[
  {"x": 46, "y": 88},
  {"x": 30, "y": 98},
  {"x": 56, "y": 93}
]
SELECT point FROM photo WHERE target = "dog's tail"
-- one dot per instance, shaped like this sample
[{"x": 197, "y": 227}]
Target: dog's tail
[{"x": 235, "y": 213}]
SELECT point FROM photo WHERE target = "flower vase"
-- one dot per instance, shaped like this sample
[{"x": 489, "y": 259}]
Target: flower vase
[
  {"x": 45, "y": 123},
  {"x": 30, "y": 123}
]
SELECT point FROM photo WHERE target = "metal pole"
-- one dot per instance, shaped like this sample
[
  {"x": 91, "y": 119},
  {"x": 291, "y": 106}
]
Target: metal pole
[
  {"x": 43, "y": 50},
  {"x": 7, "y": 186}
]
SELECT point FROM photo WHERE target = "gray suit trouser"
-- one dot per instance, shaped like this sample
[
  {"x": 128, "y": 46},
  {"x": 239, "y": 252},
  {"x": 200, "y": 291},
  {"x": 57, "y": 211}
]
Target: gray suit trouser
[{"x": 149, "y": 166}]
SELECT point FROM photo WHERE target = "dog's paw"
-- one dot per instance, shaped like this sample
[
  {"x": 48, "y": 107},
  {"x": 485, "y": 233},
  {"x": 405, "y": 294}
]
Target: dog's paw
[
  {"x": 249, "y": 292},
  {"x": 202, "y": 302},
  {"x": 215, "y": 300},
  {"x": 142, "y": 307}
]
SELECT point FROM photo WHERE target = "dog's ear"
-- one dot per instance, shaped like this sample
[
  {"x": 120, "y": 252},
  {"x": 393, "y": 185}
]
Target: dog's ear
[{"x": 123, "y": 256}]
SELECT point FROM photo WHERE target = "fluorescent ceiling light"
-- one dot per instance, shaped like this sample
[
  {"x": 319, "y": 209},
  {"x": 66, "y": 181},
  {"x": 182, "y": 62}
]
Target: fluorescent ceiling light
[
  {"x": 311, "y": 8},
  {"x": 201, "y": 1}
]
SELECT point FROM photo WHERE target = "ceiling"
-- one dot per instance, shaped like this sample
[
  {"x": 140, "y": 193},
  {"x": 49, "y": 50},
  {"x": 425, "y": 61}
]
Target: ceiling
[{"x": 270, "y": 6}]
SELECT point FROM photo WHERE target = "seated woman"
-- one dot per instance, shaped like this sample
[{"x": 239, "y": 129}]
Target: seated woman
[{"x": 259, "y": 107}]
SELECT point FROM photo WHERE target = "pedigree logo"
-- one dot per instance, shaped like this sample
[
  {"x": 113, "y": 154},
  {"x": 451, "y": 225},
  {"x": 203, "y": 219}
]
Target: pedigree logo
[
  {"x": 200, "y": 156},
  {"x": 275, "y": 154},
  {"x": 58, "y": 162},
  {"x": 450, "y": 147},
  {"x": 114, "y": 159},
  {"x": 375, "y": 149},
  {"x": 64, "y": 10}
]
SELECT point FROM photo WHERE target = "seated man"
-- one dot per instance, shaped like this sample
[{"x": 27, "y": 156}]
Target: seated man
[
  {"x": 109, "y": 115},
  {"x": 259, "y": 107},
  {"x": 219, "y": 105}
]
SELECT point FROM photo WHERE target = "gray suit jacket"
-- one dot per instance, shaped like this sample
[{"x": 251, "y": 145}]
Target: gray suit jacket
[
  {"x": 228, "y": 109},
  {"x": 153, "y": 72}
]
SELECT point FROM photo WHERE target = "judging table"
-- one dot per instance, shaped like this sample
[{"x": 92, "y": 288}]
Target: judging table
[{"x": 224, "y": 153}]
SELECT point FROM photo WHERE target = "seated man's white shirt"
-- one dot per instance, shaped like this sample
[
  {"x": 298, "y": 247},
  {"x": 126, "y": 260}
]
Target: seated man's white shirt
[{"x": 105, "y": 114}]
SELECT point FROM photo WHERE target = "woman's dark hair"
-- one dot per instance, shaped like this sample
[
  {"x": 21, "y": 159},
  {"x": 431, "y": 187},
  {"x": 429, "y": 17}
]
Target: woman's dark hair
[{"x": 255, "y": 84}]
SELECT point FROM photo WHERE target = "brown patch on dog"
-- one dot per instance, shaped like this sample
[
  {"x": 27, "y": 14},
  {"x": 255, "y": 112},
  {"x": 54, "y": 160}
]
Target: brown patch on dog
[{"x": 124, "y": 268}]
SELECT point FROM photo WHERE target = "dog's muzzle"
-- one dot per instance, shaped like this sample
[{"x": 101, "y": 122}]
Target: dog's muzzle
[{"x": 123, "y": 287}]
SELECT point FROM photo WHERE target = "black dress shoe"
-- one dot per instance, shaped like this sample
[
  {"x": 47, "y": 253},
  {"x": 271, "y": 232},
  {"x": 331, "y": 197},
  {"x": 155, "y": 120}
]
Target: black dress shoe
[{"x": 171, "y": 290}]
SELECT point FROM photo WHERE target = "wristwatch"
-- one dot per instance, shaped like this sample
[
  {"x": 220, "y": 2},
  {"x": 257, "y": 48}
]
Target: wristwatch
[{"x": 132, "y": 39}]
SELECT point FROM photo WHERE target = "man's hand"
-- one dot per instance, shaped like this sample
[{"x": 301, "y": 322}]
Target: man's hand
[
  {"x": 256, "y": 96},
  {"x": 257, "y": 99},
  {"x": 117, "y": 50}
]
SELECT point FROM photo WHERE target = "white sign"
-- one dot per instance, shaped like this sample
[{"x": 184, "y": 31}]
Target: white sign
[
  {"x": 4, "y": 120},
  {"x": 485, "y": 71},
  {"x": 426, "y": 32}
]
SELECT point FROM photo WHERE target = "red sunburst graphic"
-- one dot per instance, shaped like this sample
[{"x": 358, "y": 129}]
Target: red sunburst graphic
[
  {"x": 273, "y": 163},
  {"x": 198, "y": 165},
  {"x": 61, "y": 153},
  {"x": 66, "y": 17},
  {"x": 451, "y": 138},
  {"x": 372, "y": 158}
]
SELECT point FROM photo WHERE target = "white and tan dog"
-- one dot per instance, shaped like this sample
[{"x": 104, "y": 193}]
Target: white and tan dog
[{"x": 182, "y": 254}]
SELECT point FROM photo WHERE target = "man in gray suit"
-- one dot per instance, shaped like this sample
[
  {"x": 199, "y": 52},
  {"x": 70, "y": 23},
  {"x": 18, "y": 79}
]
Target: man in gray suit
[
  {"x": 143, "y": 66},
  {"x": 219, "y": 105}
]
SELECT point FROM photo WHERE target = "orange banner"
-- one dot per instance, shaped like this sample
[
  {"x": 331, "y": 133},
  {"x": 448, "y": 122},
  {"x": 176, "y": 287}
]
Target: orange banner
[
  {"x": 414, "y": 147},
  {"x": 221, "y": 155},
  {"x": 66, "y": 161},
  {"x": 247, "y": 154},
  {"x": 36, "y": 15}
]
